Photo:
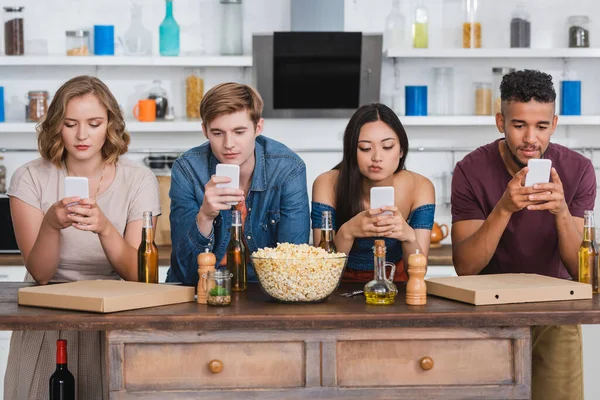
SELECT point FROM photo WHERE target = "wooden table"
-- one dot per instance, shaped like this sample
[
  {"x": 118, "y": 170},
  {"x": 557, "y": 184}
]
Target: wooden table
[{"x": 342, "y": 348}]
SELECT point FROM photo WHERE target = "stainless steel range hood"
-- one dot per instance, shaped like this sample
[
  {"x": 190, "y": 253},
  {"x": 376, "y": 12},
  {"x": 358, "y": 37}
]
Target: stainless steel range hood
[{"x": 317, "y": 15}]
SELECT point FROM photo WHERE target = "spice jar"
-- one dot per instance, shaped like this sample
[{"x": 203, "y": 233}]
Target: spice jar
[
  {"x": 14, "y": 40},
  {"x": 218, "y": 287},
  {"x": 579, "y": 31},
  {"x": 78, "y": 42},
  {"x": 194, "y": 91},
  {"x": 38, "y": 105},
  {"x": 497, "y": 75},
  {"x": 483, "y": 98}
]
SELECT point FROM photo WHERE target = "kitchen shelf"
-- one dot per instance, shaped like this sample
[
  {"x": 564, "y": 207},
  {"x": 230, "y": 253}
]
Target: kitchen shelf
[
  {"x": 177, "y": 126},
  {"x": 201, "y": 61},
  {"x": 194, "y": 126},
  {"x": 494, "y": 53},
  {"x": 489, "y": 120}
]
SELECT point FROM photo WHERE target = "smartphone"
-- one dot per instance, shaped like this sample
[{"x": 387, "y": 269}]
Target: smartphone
[
  {"x": 382, "y": 196},
  {"x": 231, "y": 171},
  {"x": 76, "y": 186},
  {"x": 539, "y": 171}
]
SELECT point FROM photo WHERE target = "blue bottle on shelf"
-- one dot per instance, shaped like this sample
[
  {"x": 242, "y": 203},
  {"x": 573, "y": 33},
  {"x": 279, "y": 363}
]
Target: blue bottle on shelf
[{"x": 169, "y": 33}]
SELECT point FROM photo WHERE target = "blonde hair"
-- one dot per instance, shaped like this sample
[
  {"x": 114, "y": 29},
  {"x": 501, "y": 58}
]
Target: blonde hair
[
  {"x": 230, "y": 97},
  {"x": 50, "y": 143}
]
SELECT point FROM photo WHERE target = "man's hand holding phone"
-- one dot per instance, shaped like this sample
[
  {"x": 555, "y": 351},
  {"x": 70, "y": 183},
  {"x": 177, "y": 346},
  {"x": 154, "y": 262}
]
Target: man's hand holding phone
[{"x": 221, "y": 192}]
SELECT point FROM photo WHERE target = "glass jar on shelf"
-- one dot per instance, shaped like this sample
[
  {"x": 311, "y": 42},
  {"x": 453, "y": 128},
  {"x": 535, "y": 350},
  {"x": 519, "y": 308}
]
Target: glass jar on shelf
[
  {"x": 471, "y": 27},
  {"x": 231, "y": 27},
  {"x": 520, "y": 27},
  {"x": 194, "y": 91},
  {"x": 78, "y": 42},
  {"x": 393, "y": 35},
  {"x": 14, "y": 39},
  {"x": 218, "y": 287},
  {"x": 579, "y": 31},
  {"x": 158, "y": 94},
  {"x": 420, "y": 28},
  {"x": 497, "y": 75},
  {"x": 138, "y": 39},
  {"x": 443, "y": 91},
  {"x": 37, "y": 106},
  {"x": 483, "y": 98}
]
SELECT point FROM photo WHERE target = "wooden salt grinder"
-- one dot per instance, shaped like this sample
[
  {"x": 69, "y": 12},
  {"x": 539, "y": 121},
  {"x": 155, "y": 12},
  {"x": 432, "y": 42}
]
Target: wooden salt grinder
[
  {"x": 206, "y": 264},
  {"x": 416, "y": 289}
]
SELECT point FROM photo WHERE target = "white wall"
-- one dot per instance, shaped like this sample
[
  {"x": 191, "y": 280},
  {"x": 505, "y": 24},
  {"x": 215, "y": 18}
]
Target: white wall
[{"x": 199, "y": 21}]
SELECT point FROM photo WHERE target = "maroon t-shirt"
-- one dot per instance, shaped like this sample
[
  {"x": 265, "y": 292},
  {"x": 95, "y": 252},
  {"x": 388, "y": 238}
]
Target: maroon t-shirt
[{"x": 530, "y": 242}]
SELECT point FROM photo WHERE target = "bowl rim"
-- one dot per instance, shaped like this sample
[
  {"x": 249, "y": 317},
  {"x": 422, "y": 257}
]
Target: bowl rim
[{"x": 299, "y": 259}]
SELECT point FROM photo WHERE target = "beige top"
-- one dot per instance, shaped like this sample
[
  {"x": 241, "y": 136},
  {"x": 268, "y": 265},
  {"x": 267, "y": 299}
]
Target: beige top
[{"x": 133, "y": 191}]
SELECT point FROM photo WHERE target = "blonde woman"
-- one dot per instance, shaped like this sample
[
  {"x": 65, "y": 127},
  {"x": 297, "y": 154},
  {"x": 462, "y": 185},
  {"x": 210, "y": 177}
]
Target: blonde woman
[{"x": 82, "y": 135}]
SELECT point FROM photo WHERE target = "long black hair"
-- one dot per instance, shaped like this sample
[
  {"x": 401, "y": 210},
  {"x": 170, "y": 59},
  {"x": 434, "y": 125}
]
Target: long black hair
[{"x": 348, "y": 186}]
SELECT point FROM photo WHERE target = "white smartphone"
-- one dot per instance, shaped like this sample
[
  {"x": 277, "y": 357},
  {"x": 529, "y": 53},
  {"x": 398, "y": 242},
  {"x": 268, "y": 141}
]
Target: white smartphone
[
  {"x": 539, "y": 171},
  {"x": 382, "y": 196},
  {"x": 231, "y": 171},
  {"x": 76, "y": 186}
]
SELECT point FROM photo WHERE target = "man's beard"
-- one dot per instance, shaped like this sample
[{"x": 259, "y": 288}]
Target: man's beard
[{"x": 514, "y": 157}]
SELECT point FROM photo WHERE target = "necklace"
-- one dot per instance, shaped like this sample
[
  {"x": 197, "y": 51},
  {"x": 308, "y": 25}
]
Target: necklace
[{"x": 99, "y": 184}]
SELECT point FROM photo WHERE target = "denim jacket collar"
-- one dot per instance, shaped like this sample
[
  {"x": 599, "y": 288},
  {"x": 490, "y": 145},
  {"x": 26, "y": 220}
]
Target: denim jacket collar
[{"x": 259, "y": 176}]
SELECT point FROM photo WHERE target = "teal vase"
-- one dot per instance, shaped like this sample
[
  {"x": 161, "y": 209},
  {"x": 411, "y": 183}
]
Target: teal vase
[{"x": 169, "y": 33}]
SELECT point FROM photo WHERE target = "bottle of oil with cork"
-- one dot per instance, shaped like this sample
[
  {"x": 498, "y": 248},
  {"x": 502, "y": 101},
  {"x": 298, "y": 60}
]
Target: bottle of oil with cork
[{"x": 381, "y": 290}]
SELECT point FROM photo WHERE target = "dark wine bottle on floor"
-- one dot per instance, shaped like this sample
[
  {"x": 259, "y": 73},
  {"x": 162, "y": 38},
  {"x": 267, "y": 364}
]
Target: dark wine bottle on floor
[{"x": 62, "y": 383}]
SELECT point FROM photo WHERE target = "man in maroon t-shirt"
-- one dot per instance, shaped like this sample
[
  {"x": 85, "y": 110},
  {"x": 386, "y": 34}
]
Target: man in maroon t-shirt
[{"x": 501, "y": 226}]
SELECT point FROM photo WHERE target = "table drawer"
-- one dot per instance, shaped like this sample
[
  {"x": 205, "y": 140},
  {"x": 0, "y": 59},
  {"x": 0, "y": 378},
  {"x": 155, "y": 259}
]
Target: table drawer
[
  {"x": 406, "y": 362},
  {"x": 185, "y": 366}
]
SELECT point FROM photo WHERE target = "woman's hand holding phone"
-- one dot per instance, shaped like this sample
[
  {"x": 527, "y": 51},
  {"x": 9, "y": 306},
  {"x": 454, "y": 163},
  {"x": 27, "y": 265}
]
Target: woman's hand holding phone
[
  {"x": 87, "y": 216},
  {"x": 57, "y": 214},
  {"x": 397, "y": 226},
  {"x": 365, "y": 224}
]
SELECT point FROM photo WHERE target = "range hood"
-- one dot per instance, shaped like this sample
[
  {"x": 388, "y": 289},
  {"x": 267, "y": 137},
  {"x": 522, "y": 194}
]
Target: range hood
[{"x": 317, "y": 15}]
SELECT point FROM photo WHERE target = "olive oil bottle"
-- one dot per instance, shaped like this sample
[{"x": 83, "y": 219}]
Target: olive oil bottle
[
  {"x": 588, "y": 253},
  {"x": 381, "y": 290}
]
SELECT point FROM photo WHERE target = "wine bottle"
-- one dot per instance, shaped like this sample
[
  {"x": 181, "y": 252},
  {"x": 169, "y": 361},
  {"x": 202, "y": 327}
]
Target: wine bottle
[{"x": 62, "y": 383}]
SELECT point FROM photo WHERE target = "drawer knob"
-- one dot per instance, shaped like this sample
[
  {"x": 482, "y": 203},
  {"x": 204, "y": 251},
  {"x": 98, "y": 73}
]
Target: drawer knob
[
  {"x": 215, "y": 366},
  {"x": 426, "y": 363}
]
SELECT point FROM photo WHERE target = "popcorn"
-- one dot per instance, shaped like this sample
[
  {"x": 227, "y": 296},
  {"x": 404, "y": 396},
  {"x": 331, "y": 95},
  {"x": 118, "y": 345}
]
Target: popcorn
[{"x": 298, "y": 273}]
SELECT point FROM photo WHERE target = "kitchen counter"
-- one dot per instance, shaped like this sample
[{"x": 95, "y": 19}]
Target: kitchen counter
[
  {"x": 252, "y": 310},
  {"x": 341, "y": 348},
  {"x": 439, "y": 256}
]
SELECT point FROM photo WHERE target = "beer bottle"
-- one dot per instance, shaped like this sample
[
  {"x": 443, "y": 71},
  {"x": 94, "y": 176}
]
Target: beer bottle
[
  {"x": 236, "y": 254},
  {"x": 588, "y": 253},
  {"x": 326, "y": 242},
  {"x": 147, "y": 252}
]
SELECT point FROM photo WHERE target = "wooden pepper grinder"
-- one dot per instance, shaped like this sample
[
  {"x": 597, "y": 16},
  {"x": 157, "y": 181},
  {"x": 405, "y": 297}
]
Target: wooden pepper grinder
[
  {"x": 416, "y": 289},
  {"x": 206, "y": 264}
]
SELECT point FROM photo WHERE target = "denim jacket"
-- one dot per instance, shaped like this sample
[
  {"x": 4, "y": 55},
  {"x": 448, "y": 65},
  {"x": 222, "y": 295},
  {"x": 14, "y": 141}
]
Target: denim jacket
[{"x": 277, "y": 205}]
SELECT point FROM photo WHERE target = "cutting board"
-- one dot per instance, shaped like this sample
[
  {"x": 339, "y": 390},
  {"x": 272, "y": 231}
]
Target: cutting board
[
  {"x": 507, "y": 288},
  {"x": 104, "y": 296}
]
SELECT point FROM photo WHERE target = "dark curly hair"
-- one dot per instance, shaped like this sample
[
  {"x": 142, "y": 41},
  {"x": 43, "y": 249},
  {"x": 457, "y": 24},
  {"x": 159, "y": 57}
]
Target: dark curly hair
[{"x": 523, "y": 86}]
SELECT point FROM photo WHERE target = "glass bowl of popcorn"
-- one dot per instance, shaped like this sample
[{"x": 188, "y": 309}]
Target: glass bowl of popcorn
[{"x": 293, "y": 273}]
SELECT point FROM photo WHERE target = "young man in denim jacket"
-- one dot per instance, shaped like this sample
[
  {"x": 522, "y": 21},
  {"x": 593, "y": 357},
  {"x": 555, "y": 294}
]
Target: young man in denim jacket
[{"x": 272, "y": 194}]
